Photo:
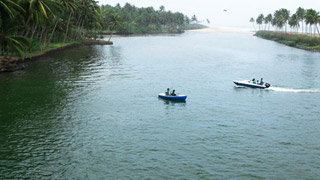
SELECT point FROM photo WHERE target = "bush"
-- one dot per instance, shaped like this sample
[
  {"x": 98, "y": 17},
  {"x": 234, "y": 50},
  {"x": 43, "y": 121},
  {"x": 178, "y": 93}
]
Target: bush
[{"x": 290, "y": 43}]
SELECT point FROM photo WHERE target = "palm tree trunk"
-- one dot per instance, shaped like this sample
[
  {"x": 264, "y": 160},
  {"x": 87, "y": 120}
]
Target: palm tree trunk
[
  {"x": 317, "y": 29},
  {"x": 34, "y": 30},
  {"x": 41, "y": 37},
  {"x": 27, "y": 31},
  {"x": 306, "y": 29},
  {"x": 66, "y": 35},
  {"x": 27, "y": 23},
  {"x": 80, "y": 32},
  {"x": 78, "y": 29},
  {"x": 285, "y": 27},
  {"x": 52, "y": 33},
  {"x": 110, "y": 36},
  {"x": 254, "y": 27}
]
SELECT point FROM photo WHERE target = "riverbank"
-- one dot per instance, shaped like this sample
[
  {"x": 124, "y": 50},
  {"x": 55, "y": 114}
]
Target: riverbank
[
  {"x": 13, "y": 63},
  {"x": 300, "y": 41}
]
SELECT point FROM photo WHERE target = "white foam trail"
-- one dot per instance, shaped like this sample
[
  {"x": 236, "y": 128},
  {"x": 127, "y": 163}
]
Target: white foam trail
[{"x": 281, "y": 89}]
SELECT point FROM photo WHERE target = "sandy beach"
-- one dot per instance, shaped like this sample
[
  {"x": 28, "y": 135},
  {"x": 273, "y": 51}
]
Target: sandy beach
[{"x": 221, "y": 30}]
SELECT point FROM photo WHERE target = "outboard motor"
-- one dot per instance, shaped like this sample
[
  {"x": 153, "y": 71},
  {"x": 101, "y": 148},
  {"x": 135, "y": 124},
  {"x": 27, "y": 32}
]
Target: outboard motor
[{"x": 267, "y": 85}]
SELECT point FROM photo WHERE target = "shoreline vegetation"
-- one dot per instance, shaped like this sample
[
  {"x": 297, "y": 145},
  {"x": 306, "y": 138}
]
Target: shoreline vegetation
[
  {"x": 15, "y": 63},
  {"x": 31, "y": 29},
  {"x": 303, "y": 33},
  {"x": 300, "y": 41}
]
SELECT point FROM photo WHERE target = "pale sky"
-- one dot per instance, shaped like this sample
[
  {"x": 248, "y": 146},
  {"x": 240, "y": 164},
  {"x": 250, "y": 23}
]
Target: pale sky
[{"x": 238, "y": 11}]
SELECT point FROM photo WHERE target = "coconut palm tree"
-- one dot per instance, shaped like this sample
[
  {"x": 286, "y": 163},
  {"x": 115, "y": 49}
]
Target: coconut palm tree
[
  {"x": 312, "y": 18},
  {"x": 286, "y": 15},
  {"x": 259, "y": 20},
  {"x": 114, "y": 23},
  {"x": 252, "y": 21},
  {"x": 268, "y": 20},
  {"x": 9, "y": 8},
  {"x": 88, "y": 10},
  {"x": 10, "y": 41},
  {"x": 279, "y": 20},
  {"x": 69, "y": 6},
  {"x": 301, "y": 16},
  {"x": 294, "y": 21}
]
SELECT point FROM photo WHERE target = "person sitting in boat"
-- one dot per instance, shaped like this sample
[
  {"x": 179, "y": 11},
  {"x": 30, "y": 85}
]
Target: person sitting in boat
[
  {"x": 253, "y": 80},
  {"x": 173, "y": 93},
  {"x": 257, "y": 81},
  {"x": 168, "y": 92},
  {"x": 261, "y": 81}
]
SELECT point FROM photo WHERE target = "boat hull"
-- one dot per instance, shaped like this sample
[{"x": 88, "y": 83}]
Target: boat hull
[
  {"x": 250, "y": 85},
  {"x": 177, "y": 97}
]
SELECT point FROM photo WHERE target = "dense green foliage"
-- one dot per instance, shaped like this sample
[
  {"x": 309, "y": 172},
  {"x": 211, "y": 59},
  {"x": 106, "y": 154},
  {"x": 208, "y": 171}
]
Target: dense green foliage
[
  {"x": 29, "y": 26},
  {"x": 146, "y": 20},
  {"x": 281, "y": 19},
  {"x": 295, "y": 40}
]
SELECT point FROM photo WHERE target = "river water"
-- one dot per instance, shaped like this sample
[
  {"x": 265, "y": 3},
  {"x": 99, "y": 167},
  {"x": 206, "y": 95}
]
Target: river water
[{"x": 92, "y": 112}]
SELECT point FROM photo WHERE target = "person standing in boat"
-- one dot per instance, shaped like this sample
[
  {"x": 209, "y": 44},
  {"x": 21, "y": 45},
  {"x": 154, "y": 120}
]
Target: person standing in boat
[{"x": 261, "y": 81}]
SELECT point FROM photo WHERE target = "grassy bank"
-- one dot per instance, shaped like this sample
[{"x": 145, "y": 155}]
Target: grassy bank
[
  {"x": 301, "y": 41},
  {"x": 13, "y": 63},
  {"x": 50, "y": 48}
]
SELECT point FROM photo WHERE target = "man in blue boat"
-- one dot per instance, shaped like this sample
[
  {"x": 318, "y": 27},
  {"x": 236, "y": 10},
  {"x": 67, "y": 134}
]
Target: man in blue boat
[
  {"x": 168, "y": 92},
  {"x": 261, "y": 81},
  {"x": 173, "y": 93}
]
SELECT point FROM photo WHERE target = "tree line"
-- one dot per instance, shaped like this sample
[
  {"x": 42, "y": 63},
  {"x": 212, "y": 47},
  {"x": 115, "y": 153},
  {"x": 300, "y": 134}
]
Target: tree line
[
  {"x": 147, "y": 20},
  {"x": 303, "y": 20},
  {"x": 32, "y": 25}
]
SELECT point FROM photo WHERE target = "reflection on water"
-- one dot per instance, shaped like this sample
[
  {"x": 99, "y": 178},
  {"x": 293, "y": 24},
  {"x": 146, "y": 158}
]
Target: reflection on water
[
  {"x": 92, "y": 111},
  {"x": 173, "y": 102}
]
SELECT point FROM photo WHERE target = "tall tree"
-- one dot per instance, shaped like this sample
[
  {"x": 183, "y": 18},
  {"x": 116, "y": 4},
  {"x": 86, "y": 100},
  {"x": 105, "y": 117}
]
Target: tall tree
[
  {"x": 286, "y": 15},
  {"x": 301, "y": 16},
  {"x": 114, "y": 23},
  {"x": 252, "y": 21},
  {"x": 194, "y": 19},
  {"x": 312, "y": 18},
  {"x": 259, "y": 20},
  {"x": 9, "y": 10},
  {"x": 294, "y": 21},
  {"x": 268, "y": 20},
  {"x": 279, "y": 20},
  {"x": 70, "y": 6}
]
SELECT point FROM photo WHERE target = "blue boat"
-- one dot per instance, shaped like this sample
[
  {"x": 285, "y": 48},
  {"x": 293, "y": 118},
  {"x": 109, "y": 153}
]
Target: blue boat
[
  {"x": 170, "y": 97},
  {"x": 249, "y": 83}
]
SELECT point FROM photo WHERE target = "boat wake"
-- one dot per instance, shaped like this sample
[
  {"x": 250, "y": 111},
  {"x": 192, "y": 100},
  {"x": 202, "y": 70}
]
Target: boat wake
[{"x": 281, "y": 89}]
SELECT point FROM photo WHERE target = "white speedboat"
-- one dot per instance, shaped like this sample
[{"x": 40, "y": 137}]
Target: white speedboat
[{"x": 251, "y": 84}]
